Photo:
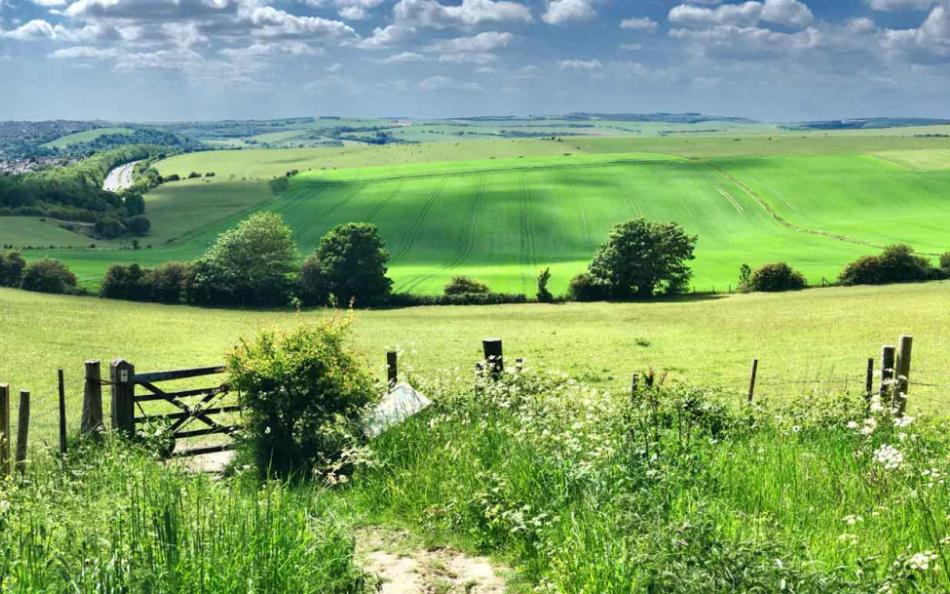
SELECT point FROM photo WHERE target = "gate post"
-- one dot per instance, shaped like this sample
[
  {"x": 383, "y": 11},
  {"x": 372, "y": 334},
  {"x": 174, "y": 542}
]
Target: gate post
[
  {"x": 122, "y": 377},
  {"x": 91, "y": 422}
]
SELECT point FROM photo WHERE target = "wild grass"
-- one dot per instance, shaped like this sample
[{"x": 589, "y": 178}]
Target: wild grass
[
  {"x": 111, "y": 518},
  {"x": 672, "y": 490}
]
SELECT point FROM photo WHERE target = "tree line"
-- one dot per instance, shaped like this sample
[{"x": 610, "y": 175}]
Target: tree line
[{"x": 256, "y": 265}]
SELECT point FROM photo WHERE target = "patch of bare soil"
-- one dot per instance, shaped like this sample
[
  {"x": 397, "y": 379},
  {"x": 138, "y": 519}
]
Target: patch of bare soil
[{"x": 402, "y": 569}]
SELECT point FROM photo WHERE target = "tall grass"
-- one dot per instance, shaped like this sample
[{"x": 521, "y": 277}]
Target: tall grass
[
  {"x": 112, "y": 519},
  {"x": 672, "y": 491}
]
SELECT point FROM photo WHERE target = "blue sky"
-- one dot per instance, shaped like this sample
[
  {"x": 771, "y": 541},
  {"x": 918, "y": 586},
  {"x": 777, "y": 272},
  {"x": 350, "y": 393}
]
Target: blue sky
[{"x": 211, "y": 59}]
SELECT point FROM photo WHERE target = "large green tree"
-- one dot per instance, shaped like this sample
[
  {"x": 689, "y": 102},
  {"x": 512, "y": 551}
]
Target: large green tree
[
  {"x": 642, "y": 258},
  {"x": 353, "y": 262},
  {"x": 252, "y": 264}
]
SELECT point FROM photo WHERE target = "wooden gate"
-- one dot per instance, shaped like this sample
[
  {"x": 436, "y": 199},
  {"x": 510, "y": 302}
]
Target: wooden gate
[{"x": 193, "y": 406}]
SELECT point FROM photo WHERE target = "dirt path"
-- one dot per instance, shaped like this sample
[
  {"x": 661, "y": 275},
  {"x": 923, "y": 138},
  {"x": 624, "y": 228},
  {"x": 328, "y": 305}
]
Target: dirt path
[{"x": 401, "y": 568}]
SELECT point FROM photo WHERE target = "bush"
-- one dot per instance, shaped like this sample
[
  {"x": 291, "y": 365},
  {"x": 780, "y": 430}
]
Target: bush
[
  {"x": 12, "y": 265},
  {"x": 166, "y": 282},
  {"x": 462, "y": 285},
  {"x": 410, "y": 300},
  {"x": 354, "y": 262},
  {"x": 109, "y": 227},
  {"x": 134, "y": 204},
  {"x": 48, "y": 276},
  {"x": 312, "y": 286},
  {"x": 544, "y": 295},
  {"x": 585, "y": 287},
  {"x": 945, "y": 262},
  {"x": 139, "y": 225},
  {"x": 897, "y": 264},
  {"x": 125, "y": 282},
  {"x": 252, "y": 264},
  {"x": 778, "y": 277},
  {"x": 303, "y": 392},
  {"x": 641, "y": 258}
]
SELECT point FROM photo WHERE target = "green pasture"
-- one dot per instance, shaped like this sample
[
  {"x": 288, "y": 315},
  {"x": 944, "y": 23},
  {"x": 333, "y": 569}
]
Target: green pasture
[
  {"x": 85, "y": 136},
  {"x": 22, "y": 232},
  {"x": 818, "y": 339}
]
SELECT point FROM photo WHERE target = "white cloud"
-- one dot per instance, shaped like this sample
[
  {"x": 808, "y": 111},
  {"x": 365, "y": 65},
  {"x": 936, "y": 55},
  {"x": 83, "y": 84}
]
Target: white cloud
[
  {"x": 560, "y": 12},
  {"x": 927, "y": 44},
  {"x": 272, "y": 22},
  {"x": 35, "y": 30},
  {"x": 49, "y": 3},
  {"x": 587, "y": 65},
  {"x": 639, "y": 24},
  {"x": 354, "y": 10},
  {"x": 446, "y": 83},
  {"x": 403, "y": 58},
  {"x": 901, "y": 4},
  {"x": 483, "y": 42},
  {"x": 859, "y": 25},
  {"x": 470, "y": 13},
  {"x": 791, "y": 13}
]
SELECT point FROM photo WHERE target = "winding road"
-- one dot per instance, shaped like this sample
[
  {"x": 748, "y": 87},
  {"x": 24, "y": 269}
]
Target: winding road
[{"x": 120, "y": 178}]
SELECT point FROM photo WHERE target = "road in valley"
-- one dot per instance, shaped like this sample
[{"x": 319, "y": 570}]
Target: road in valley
[{"x": 120, "y": 178}]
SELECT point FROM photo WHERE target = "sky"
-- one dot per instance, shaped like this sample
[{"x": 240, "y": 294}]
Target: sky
[{"x": 773, "y": 60}]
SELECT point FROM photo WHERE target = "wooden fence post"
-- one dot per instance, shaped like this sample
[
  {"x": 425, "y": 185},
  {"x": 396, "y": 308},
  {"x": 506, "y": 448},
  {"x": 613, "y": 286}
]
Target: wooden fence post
[
  {"x": 122, "y": 376},
  {"x": 92, "y": 400},
  {"x": 887, "y": 372},
  {"x": 4, "y": 429},
  {"x": 869, "y": 380},
  {"x": 634, "y": 386},
  {"x": 22, "y": 430},
  {"x": 62, "y": 412},
  {"x": 392, "y": 368},
  {"x": 752, "y": 376},
  {"x": 494, "y": 356},
  {"x": 903, "y": 374}
]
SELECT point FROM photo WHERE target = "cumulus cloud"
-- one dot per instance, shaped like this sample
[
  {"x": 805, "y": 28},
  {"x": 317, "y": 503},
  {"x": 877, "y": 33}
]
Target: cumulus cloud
[
  {"x": 403, "y": 58},
  {"x": 470, "y": 13},
  {"x": 790, "y": 13},
  {"x": 35, "y": 30},
  {"x": 639, "y": 24},
  {"x": 928, "y": 43},
  {"x": 560, "y": 12},
  {"x": 586, "y": 65},
  {"x": 354, "y": 10},
  {"x": 901, "y": 4},
  {"x": 483, "y": 42}
]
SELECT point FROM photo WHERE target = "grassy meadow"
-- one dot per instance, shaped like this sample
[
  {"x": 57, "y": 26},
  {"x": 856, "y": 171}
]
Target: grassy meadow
[
  {"x": 500, "y": 210},
  {"x": 814, "y": 341}
]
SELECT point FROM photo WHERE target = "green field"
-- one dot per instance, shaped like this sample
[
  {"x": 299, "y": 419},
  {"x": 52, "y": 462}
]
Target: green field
[
  {"x": 500, "y": 210},
  {"x": 85, "y": 136},
  {"x": 814, "y": 340}
]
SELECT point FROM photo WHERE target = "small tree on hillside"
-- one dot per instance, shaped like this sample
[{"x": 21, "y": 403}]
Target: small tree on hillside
[
  {"x": 354, "y": 262},
  {"x": 544, "y": 295},
  {"x": 12, "y": 265},
  {"x": 252, "y": 264},
  {"x": 896, "y": 264},
  {"x": 777, "y": 277},
  {"x": 48, "y": 276},
  {"x": 642, "y": 258}
]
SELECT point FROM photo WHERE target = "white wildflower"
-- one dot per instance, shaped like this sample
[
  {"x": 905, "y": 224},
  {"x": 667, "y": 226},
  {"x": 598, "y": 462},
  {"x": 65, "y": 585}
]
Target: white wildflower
[
  {"x": 903, "y": 421},
  {"x": 921, "y": 561},
  {"x": 889, "y": 457},
  {"x": 852, "y": 519},
  {"x": 869, "y": 426}
]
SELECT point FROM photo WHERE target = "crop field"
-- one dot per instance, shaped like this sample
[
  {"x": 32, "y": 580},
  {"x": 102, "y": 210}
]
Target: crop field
[
  {"x": 817, "y": 340},
  {"x": 500, "y": 210}
]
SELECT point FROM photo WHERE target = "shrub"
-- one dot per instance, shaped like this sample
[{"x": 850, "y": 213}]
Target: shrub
[
  {"x": 109, "y": 227},
  {"x": 463, "y": 285},
  {"x": 134, "y": 204},
  {"x": 303, "y": 392},
  {"x": 139, "y": 225},
  {"x": 544, "y": 295},
  {"x": 945, "y": 262},
  {"x": 166, "y": 282},
  {"x": 125, "y": 282},
  {"x": 410, "y": 300},
  {"x": 776, "y": 277},
  {"x": 641, "y": 258},
  {"x": 896, "y": 264},
  {"x": 312, "y": 286},
  {"x": 48, "y": 276},
  {"x": 585, "y": 287},
  {"x": 354, "y": 262},
  {"x": 11, "y": 269},
  {"x": 252, "y": 264},
  {"x": 745, "y": 279}
]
